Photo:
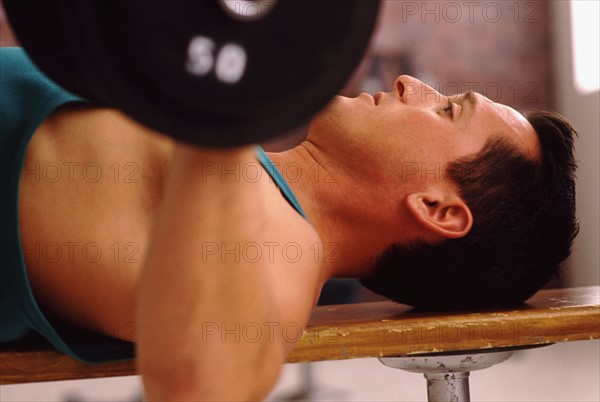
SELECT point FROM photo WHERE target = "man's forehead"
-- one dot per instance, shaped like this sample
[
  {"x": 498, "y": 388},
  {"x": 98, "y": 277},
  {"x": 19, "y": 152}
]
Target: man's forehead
[{"x": 516, "y": 126}]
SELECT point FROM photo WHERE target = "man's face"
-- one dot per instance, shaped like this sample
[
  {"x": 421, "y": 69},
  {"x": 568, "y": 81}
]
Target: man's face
[{"x": 413, "y": 132}]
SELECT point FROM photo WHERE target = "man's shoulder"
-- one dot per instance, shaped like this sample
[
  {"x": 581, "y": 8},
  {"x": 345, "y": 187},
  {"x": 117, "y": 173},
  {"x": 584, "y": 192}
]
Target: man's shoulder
[{"x": 25, "y": 87}]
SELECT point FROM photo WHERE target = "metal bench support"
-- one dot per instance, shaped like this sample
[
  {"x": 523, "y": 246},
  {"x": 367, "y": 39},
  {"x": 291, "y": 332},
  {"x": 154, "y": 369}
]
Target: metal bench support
[{"x": 448, "y": 374}]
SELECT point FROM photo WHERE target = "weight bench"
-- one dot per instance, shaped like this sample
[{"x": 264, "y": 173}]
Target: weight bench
[{"x": 445, "y": 347}]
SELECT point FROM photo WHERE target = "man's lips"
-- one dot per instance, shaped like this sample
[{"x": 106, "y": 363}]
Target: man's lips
[{"x": 399, "y": 88}]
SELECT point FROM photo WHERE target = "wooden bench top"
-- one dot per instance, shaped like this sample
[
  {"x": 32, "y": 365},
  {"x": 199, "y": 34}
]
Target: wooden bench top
[{"x": 372, "y": 330}]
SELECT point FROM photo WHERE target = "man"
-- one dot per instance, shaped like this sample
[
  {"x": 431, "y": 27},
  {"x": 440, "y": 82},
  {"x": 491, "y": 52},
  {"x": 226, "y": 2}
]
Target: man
[{"x": 180, "y": 249}]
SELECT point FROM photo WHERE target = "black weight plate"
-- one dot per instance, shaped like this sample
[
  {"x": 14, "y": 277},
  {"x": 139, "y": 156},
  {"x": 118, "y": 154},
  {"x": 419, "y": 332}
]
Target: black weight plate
[{"x": 134, "y": 55}]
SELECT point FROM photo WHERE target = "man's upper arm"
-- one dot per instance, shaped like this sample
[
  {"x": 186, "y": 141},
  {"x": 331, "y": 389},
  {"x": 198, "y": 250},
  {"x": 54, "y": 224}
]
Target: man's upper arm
[{"x": 259, "y": 272}]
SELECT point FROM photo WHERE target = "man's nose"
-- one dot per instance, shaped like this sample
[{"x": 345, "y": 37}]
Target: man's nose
[{"x": 412, "y": 90}]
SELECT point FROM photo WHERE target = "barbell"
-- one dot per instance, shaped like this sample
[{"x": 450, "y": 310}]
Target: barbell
[{"x": 216, "y": 73}]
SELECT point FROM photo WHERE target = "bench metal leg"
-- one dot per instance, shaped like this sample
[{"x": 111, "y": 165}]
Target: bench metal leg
[
  {"x": 448, "y": 387},
  {"x": 447, "y": 375}
]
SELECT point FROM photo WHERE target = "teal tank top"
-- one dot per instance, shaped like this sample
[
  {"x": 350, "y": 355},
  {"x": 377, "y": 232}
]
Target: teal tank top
[{"x": 27, "y": 98}]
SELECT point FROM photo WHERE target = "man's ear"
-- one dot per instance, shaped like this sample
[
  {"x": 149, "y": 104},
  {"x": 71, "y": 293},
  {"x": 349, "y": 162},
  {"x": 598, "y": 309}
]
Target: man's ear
[{"x": 447, "y": 216}]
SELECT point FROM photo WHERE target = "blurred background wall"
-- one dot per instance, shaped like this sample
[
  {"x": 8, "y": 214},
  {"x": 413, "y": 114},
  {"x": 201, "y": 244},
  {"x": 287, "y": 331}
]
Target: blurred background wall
[{"x": 574, "y": 37}]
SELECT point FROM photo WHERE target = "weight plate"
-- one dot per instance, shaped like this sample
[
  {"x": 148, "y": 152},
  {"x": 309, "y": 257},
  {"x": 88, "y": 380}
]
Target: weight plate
[{"x": 188, "y": 69}]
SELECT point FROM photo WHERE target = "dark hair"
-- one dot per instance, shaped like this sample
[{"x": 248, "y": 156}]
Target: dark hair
[{"x": 524, "y": 225}]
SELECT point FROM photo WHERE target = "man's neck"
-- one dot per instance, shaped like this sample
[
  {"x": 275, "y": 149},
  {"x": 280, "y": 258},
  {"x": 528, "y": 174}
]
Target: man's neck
[{"x": 349, "y": 216}]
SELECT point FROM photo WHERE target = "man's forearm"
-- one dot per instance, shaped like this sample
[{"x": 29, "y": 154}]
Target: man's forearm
[{"x": 183, "y": 290}]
